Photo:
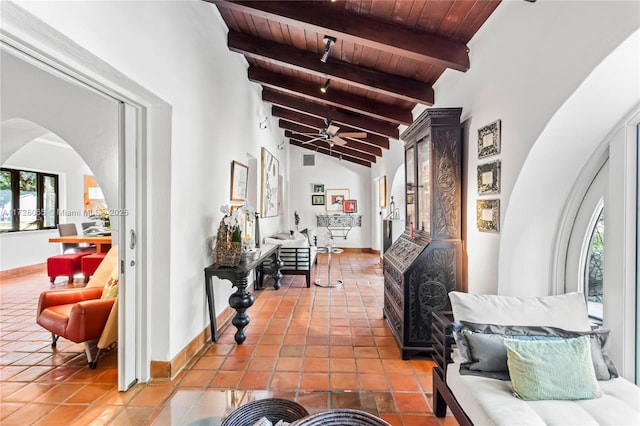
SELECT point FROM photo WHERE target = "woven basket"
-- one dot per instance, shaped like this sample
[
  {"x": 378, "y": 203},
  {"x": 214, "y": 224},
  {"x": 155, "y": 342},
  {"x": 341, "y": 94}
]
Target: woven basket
[
  {"x": 228, "y": 254},
  {"x": 341, "y": 417},
  {"x": 274, "y": 409}
]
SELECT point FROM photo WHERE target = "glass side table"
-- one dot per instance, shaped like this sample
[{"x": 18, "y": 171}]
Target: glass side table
[{"x": 329, "y": 249}]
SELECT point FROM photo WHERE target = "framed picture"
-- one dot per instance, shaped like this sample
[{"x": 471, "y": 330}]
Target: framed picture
[
  {"x": 382, "y": 191},
  {"x": 317, "y": 200},
  {"x": 489, "y": 139},
  {"x": 488, "y": 215},
  {"x": 318, "y": 187},
  {"x": 239, "y": 173},
  {"x": 489, "y": 178},
  {"x": 350, "y": 206},
  {"x": 269, "y": 185},
  {"x": 334, "y": 199}
]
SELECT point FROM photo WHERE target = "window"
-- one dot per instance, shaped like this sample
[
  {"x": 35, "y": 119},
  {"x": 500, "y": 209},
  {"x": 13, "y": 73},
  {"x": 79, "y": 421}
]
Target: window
[
  {"x": 594, "y": 268},
  {"x": 28, "y": 200}
]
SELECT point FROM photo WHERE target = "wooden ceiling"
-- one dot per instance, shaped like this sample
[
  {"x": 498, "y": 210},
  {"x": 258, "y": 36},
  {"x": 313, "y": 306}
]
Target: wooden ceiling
[{"x": 385, "y": 59}]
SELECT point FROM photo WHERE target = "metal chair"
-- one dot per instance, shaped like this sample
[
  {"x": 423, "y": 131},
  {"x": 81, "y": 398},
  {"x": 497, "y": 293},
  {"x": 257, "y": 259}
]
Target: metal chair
[{"x": 70, "y": 230}]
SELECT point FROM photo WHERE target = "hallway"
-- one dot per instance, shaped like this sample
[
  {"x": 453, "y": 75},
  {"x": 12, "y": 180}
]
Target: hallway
[{"x": 324, "y": 348}]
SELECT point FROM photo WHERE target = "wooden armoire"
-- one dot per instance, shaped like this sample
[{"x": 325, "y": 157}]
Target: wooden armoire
[{"x": 425, "y": 263}]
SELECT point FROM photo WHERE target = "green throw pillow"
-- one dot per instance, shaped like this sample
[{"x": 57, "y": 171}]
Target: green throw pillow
[{"x": 552, "y": 369}]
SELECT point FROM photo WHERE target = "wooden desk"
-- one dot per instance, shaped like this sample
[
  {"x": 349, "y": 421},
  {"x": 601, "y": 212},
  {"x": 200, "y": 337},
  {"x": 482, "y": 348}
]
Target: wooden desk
[
  {"x": 102, "y": 243},
  {"x": 241, "y": 300}
]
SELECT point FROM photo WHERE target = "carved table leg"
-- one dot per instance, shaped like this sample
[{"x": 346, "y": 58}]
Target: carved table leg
[
  {"x": 241, "y": 300},
  {"x": 278, "y": 264}
]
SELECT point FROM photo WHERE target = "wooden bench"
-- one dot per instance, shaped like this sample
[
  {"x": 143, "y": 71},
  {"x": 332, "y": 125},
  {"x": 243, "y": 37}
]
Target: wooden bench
[{"x": 299, "y": 261}]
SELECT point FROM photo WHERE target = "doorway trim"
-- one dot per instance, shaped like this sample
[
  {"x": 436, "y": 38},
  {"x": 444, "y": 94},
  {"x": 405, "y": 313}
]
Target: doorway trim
[{"x": 29, "y": 35}]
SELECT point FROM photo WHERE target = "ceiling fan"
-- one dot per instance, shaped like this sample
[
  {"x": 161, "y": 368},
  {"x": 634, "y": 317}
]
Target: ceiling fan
[{"x": 332, "y": 135}]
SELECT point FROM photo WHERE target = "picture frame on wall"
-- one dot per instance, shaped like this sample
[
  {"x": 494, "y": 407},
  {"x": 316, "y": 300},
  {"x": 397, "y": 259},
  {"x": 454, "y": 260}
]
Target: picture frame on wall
[
  {"x": 318, "y": 187},
  {"x": 488, "y": 215},
  {"x": 489, "y": 139},
  {"x": 382, "y": 191},
  {"x": 317, "y": 200},
  {"x": 334, "y": 199},
  {"x": 489, "y": 178},
  {"x": 270, "y": 171},
  {"x": 239, "y": 174},
  {"x": 350, "y": 206}
]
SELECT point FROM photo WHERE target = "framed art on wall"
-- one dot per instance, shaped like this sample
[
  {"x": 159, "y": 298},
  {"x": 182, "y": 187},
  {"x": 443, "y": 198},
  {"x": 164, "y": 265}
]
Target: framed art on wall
[
  {"x": 350, "y": 206},
  {"x": 269, "y": 186},
  {"x": 239, "y": 173},
  {"x": 489, "y": 139},
  {"x": 488, "y": 215},
  {"x": 317, "y": 200},
  {"x": 334, "y": 199},
  {"x": 489, "y": 178},
  {"x": 382, "y": 191},
  {"x": 318, "y": 187}
]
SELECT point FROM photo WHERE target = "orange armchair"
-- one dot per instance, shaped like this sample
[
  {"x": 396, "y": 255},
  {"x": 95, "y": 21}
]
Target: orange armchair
[{"x": 81, "y": 315}]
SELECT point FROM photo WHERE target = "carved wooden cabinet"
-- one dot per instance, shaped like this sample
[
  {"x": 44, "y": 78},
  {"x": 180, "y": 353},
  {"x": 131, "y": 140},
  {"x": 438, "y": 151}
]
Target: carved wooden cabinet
[{"x": 425, "y": 263}]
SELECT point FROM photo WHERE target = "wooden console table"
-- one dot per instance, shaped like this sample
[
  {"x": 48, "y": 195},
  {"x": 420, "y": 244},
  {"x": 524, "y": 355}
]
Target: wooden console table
[{"x": 241, "y": 300}]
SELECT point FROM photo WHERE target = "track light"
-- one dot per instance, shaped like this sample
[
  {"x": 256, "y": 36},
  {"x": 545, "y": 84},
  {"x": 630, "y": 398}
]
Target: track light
[
  {"x": 324, "y": 88},
  {"x": 328, "y": 41}
]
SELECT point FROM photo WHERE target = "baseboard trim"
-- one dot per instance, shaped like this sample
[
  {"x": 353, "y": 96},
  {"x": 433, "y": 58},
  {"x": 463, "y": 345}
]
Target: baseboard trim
[
  {"x": 23, "y": 270},
  {"x": 170, "y": 369},
  {"x": 358, "y": 250}
]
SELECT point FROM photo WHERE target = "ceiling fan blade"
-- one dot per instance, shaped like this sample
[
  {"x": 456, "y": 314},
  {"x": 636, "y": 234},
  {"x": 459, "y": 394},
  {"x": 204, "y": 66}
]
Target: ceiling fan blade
[
  {"x": 312, "y": 140},
  {"x": 353, "y": 135},
  {"x": 338, "y": 140},
  {"x": 315, "y": 134},
  {"x": 332, "y": 130}
]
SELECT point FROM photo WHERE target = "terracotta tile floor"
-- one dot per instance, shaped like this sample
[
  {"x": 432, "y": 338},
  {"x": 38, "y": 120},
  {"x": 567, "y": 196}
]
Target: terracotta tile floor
[{"x": 322, "y": 347}]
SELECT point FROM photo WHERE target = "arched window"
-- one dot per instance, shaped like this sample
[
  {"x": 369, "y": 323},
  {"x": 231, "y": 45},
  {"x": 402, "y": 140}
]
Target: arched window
[
  {"x": 584, "y": 267},
  {"x": 594, "y": 268}
]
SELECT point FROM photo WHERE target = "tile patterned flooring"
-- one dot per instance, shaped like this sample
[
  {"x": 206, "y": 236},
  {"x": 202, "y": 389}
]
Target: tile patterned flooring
[{"x": 322, "y": 347}]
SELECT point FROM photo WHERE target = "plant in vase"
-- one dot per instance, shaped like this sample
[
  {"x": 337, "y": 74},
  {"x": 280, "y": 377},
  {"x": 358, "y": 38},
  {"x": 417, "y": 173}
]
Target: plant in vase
[{"x": 229, "y": 242}]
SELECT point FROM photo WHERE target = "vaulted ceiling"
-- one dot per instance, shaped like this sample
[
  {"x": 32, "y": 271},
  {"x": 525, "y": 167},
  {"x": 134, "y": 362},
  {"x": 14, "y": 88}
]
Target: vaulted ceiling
[{"x": 384, "y": 61}]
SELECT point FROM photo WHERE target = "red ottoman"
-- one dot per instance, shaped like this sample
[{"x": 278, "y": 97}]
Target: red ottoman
[
  {"x": 90, "y": 264},
  {"x": 65, "y": 265}
]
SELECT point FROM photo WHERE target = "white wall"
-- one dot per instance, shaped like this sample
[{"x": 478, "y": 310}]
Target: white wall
[
  {"x": 177, "y": 50},
  {"x": 526, "y": 61},
  {"x": 390, "y": 165},
  {"x": 334, "y": 174}
]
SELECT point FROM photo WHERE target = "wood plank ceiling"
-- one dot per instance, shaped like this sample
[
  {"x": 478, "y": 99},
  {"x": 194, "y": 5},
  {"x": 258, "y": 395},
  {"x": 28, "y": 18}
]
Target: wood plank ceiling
[{"x": 385, "y": 59}]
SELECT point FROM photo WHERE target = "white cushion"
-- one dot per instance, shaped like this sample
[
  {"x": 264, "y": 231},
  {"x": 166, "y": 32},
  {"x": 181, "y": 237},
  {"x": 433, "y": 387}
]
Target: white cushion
[{"x": 566, "y": 311}]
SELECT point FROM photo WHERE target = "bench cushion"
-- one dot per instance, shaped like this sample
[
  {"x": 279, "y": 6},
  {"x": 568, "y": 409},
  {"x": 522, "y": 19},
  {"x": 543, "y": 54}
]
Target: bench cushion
[
  {"x": 566, "y": 311},
  {"x": 490, "y": 401}
]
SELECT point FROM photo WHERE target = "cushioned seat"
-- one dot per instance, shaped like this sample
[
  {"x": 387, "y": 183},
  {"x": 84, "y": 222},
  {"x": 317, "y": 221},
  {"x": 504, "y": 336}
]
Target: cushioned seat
[
  {"x": 84, "y": 314},
  {"x": 90, "y": 263},
  {"x": 65, "y": 265}
]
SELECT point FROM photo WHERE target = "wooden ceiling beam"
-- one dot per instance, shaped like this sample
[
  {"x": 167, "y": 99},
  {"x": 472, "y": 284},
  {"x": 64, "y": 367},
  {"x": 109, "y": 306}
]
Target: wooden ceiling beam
[
  {"x": 335, "y": 98},
  {"x": 351, "y": 143},
  {"x": 325, "y": 151},
  {"x": 301, "y": 60},
  {"x": 360, "y": 122},
  {"x": 318, "y": 123},
  {"x": 337, "y": 148},
  {"x": 323, "y": 18}
]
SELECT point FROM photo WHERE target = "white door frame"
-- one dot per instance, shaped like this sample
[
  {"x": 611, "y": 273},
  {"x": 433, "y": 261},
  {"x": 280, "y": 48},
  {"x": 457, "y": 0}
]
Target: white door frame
[{"x": 29, "y": 35}]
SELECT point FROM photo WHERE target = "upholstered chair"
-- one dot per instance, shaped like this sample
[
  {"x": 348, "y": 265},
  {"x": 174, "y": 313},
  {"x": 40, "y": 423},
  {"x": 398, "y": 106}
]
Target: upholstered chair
[{"x": 83, "y": 315}]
